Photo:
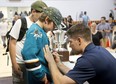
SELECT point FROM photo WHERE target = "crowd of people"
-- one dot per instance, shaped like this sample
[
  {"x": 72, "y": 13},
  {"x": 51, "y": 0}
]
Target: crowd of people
[{"x": 33, "y": 62}]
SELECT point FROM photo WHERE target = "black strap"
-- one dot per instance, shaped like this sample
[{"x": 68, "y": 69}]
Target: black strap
[{"x": 23, "y": 29}]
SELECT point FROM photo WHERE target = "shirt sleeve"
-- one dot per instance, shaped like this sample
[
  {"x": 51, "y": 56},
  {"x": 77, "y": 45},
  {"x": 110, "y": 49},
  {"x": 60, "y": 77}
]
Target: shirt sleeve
[
  {"x": 16, "y": 29},
  {"x": 82, "y": 71},
  {"x": 30, "y": 52}
]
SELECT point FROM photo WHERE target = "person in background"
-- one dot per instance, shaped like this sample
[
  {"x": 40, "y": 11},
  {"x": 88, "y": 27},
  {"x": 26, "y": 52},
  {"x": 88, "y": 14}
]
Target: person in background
[
  {"x": 15, "y": 18},
  {"x": 85, "y": 19},
  {"x": 80, "y": 16},
  {"x": 111, "y": 14},
  {"x": 110, "y": 21},
  {"x": 114, "y": 41},
  {"x": 16, "y": 13},
  {"x": 96, "y": 35},
  {"x": 36, "y": 39},
  {"x": 1, "y": 15},
  {"x": 114, "y": 38},
  {"x": 3, "y": 31},
  {"x": 105, "y": 29},
  {"x": 24, "y": 14},
  {"x": 70, "y": 21},
  {"x": 65, "y": 23},
  {"x": 112, "y": 24},
  {"x": 19, "y": 73},
  {"x": 96, "y": 65}
]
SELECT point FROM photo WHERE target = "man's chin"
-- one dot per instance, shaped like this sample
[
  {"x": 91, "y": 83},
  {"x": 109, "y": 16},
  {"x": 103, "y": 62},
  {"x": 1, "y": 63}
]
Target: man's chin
[{"x": 73, "y": 52}]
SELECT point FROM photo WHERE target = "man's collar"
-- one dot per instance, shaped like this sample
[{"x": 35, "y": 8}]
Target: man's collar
[{"x": 89, "y": 47}]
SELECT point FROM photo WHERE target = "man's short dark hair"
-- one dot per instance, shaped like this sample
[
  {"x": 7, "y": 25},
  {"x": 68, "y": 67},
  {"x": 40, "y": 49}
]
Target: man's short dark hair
[{"x": 79, "y": 30}]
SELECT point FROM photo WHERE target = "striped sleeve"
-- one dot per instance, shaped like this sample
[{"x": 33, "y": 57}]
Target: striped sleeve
[{"x": 32, "y": 64}]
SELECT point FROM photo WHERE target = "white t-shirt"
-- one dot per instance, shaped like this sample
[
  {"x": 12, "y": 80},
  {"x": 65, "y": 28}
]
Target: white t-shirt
[
  {"x": 3, "y": 28},
  {"x": 15, "y": 34}
]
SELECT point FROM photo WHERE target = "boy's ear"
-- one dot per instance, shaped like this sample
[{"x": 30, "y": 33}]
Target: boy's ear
[{"x": 46, "y": 20}]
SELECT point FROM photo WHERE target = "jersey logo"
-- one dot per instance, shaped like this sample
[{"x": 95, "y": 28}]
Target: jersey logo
[{"x": 37, "y": 34}]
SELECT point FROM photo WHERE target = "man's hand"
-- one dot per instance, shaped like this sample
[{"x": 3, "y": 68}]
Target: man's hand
[
  {"x": 51, "y": 56},
  {"x": 47, "y": 53},
  {"x": 17, "y": 69},
  {"x": 56, "y": 57},
  {"x": 100, "y": 31}
]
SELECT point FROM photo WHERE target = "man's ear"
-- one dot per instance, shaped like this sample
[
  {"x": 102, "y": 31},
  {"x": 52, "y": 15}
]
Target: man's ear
[{"x": 79, "y": 40}]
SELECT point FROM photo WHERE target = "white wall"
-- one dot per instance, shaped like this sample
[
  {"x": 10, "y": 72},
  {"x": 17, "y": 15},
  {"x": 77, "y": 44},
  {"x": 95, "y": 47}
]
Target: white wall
[{"x": 94, "y": 8}]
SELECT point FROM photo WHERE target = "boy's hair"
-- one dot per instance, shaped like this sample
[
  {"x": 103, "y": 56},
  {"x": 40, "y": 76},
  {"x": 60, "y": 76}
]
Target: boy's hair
[
  {"x": 42, "y": 18},
  {"x": 79, "y": 30}
]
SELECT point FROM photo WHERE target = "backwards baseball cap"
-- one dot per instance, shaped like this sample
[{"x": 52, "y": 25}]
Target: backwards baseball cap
[
  {"x": 38, "y": 5},
  {"x": 54, "y": 14}
]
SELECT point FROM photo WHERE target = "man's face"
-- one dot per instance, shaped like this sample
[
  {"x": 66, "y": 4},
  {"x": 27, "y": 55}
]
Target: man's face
[
  {"x": 36, "y": 14},
  {"x": 75, "y": 45},
  {"x": 102, "y": 20},
  {"x": 49, "y": 26}
]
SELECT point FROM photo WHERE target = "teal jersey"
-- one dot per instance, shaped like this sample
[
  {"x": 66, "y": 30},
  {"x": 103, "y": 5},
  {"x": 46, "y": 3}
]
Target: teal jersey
[{"x": 33, "y": 54}]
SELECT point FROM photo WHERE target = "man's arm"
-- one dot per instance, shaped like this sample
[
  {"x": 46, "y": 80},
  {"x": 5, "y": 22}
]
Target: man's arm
[
  {"x": 64, "y": 69},
  {"x": 107, "y": 31},
  {"x": 58, "y": 78},
  {"x": 14, "y": 33},
  {"x": 12, "y": 51}
]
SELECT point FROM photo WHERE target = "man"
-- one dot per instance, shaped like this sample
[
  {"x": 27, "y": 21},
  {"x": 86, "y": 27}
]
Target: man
[
  {"x": 70, "y": 21},
  {"x": 15, "y": 47},
  {"x": 96, "y": 65},
  {"x": 36, "y": 39},
  {"x": 85, "y": 18},
  {"x": 112, "y": 24},
  {"x": 105, "y": 29},
  {"x": 114, "y": 41}
]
